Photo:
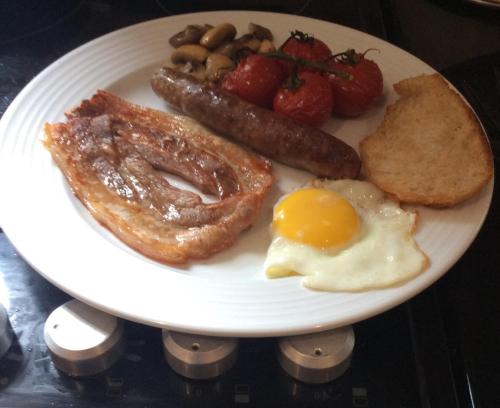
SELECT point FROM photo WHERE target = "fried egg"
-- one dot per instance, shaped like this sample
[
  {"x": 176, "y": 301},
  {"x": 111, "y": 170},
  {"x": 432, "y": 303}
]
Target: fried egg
[{"x": 343, "y": 235}]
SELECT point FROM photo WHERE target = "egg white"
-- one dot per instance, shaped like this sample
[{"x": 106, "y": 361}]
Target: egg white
[{"x": 384, "y": 254}]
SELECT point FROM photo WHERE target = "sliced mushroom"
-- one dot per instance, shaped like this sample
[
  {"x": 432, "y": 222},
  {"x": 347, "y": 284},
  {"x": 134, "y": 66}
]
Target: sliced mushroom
[
  {"x": 266, "y": 46},
  {"x": 197, "y": 71},
  {"x": 249, "y": 41},
  {"x": 190, "y": 35},
  {"x": 193, "y": 53},
  {"x": 260, "y": 32},
  {"x": 218, "y": 35},
  {"x": 230, "y": 49},
  {"x": 217, "y": 66}
]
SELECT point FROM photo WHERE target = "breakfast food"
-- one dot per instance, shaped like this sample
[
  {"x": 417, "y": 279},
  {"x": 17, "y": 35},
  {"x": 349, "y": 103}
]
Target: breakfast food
[
  {"x": 209, "y": 52},
  {"x": 310, "y": 103},
  {"x": 352, "y": 82},
  {"x": 305, "y": 46},
  {"x": 267, "y": 132},
  {"x": 250, "y": 67},
  {"x": 343, "y": 235},
  {"x": 113, "y": 153},
  {"x": 430, "y": 148},
  {"x": 356, "y": 94},
  {"x": 255, "y": 79}
]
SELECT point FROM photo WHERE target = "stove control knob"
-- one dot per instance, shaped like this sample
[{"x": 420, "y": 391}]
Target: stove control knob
[
  {"x": 6, "y": 333},
  {"x": 83, "y": 341},
  {"x": 319, "y": 357},
  {"x": 199, "y": 357}
]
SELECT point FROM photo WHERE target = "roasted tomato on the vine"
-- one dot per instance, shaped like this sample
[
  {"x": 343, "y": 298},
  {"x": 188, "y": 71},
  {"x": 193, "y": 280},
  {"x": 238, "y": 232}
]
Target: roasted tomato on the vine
[
  {"x": 255, "y": 79},
  {"x": 305, "y": 46},
  {"x": 355, "y": 95},
  {"x": 310, "y": 102}
]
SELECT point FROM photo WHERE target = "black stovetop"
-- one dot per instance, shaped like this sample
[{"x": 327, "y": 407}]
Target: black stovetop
[{"x": 439, "y": 349}]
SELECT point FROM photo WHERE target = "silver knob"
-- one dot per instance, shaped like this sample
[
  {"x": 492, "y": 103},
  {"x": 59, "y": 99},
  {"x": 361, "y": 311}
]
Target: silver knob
[
  {"x": 82, "y": 340},
  {"x": 319, "y": 357},
  {"x": 199, "y": 357},
  {"x": 6, "y": 333}
]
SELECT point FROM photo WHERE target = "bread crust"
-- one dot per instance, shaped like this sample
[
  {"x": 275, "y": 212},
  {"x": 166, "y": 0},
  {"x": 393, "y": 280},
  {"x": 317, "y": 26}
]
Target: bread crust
[{"x": 430, "y": 148}]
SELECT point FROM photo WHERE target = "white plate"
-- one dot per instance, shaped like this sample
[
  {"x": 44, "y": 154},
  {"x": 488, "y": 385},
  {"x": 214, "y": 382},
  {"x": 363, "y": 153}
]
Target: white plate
[{"x": 227, "y": 294}]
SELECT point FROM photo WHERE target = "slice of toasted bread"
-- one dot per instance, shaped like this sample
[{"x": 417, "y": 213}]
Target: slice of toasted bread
[{"x": 430, "y": 148}]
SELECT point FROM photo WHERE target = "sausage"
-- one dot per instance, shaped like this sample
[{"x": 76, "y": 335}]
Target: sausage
[{"x": 267, "y": 132}]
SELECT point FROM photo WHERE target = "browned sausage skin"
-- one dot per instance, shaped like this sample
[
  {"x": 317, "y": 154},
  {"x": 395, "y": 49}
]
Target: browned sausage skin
[{"x": 267, "y": 132}]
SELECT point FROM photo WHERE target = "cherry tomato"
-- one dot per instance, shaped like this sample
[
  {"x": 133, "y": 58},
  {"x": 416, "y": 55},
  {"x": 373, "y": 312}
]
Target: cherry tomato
[
  {"x": 255, "y": 79},
  {"x": 311, "y": 103},
  {"x": 307, "y": 47},
  {"x": 354, "y": 96},
  {"x": 304, "y": 46}
]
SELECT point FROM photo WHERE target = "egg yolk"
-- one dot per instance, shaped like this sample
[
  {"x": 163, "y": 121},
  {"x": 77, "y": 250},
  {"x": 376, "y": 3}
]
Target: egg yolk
[{"x": 317, "y": 217}]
